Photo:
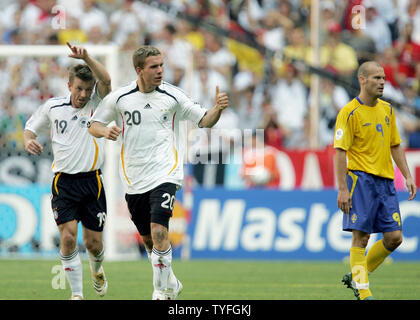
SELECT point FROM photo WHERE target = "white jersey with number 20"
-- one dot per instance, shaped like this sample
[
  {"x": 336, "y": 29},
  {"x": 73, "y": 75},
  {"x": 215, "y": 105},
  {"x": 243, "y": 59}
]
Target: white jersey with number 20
[{"x": 152, "y": 133}]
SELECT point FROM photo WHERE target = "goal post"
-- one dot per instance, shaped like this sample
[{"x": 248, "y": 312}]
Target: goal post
[{"x": 110, "y": 53}]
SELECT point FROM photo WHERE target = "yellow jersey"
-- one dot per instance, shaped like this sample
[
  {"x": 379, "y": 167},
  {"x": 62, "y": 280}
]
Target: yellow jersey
[{"x": 367, "y": 135}]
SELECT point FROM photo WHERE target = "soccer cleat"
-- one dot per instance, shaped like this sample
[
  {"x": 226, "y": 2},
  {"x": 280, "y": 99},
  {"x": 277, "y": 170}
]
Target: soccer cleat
[
  {"x": 173, "y": 294},
  {"x": 76, "y": 297},
  {"x": 168, "y": 294},
  {"x": 347, "y": 280},
  {"x": 160, "y": 295},
  {"x": 100, "y": 284}
]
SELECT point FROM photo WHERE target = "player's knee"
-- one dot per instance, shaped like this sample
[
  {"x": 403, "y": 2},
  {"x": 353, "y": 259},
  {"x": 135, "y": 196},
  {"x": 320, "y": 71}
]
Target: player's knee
[
  {"x": 159, "y": 235},
  {"x": 68, "y": 240},
  {"x": 93, "y": 245},
  {"x": 394, "y": 242},
  {"x": 365, "y": 240},
  {"x": 361, "y": 240}
]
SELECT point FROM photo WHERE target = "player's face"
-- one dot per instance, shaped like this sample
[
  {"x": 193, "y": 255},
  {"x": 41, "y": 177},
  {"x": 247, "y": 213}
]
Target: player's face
[
  {"x": 152, "y": 73},
  {"x": 80, "y": 92},
  {"x": 375, "y": 82}
]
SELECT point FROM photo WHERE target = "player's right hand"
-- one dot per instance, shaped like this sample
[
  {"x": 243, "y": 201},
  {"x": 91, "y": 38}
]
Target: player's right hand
[
  {"x": 112, "y": 133},
  {"x": 77, "y": 52},
  {"x": 344, "y": 201},
  {"x": 33, "y": 147}
]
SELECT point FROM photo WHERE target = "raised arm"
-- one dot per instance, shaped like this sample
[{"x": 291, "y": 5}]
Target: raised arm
[
  {"x": 213, "y": 115},
  {"x": 398, "y": 155},
  {"x": 104, "y": 80}
]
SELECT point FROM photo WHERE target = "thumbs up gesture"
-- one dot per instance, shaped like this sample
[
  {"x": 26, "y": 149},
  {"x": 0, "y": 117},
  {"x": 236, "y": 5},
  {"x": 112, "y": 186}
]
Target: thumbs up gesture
[{"x": 222, "y": 99}]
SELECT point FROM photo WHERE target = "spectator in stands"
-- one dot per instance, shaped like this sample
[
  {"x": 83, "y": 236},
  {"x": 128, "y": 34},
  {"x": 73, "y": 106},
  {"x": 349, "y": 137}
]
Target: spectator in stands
[
  {"x": 273, "y": 131},
  {"x": 328, "y": 17},
  {"x": 332, "y": 98},
  {"x": 376, "y": 27},
  {"x": 72, "y": 33},
  {"x": 152, "y": 19},
  {"x": 96, "y": 36},
  {"x": 248, "y": 97},
  {"x": 409, "y": 11},
  {"x": 200, "y": 85},
  {"x": 271, "y": 35},
  {"x": 360, "y": 42},
  {"x": 190, "y": 33},
  {"x": 407, "y": 115},
  {"x": 123, "y": 22},
  {"x": 297, "y": 47},
  {"x": 11, "y": 15},
  {"x": 289, "y": 99},
  {"x": 390, "y": 63},
  {"x": 408, "y": 53},
  {"x": 218, "y": 56},
  {"x": 338, "y": 54},
  {"x": 387, "y": 9},
  {"x": 178, "y": 52},
  {"x": 91, "y": 16}
]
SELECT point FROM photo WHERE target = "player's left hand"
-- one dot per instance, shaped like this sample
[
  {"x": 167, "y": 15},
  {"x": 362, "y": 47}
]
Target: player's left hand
[
  {"x": 411, "y": 187},
  {"x": 77, "y": 52},
  {"x": 222, "y": 99}
]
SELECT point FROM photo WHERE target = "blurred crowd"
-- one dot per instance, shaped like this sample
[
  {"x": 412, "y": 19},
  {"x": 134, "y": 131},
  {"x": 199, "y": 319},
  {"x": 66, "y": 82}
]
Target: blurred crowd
[{"x": 197, "y": 59}]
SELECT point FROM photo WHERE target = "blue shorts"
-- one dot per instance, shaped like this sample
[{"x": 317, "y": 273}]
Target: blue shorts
[{"x": 375, "y": 205}]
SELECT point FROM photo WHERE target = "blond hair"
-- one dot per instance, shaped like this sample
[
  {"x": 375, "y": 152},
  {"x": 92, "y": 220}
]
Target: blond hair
[{"x": 140, "y": 55}]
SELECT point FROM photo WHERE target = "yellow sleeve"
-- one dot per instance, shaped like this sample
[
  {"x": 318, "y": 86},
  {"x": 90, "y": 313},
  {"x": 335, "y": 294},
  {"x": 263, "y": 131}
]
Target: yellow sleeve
[
  {"x": 395, "y": 136},
  {"x": 344, "y": 133}
]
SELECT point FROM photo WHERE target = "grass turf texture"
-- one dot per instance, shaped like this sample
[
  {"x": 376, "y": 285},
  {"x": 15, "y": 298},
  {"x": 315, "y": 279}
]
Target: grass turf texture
[{"x": 214, "y": 280}]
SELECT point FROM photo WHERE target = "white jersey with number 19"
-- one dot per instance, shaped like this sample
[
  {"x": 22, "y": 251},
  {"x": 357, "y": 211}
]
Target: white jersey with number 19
[
  {"x": 74, "y": 149},
  {"x": 152, "y": 133}
]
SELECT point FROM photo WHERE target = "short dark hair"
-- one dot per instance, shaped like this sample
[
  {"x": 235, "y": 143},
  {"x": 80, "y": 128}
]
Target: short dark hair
[
  {"x": 140, "y": 55},
  {"x": 82, "y": 72},
  {"x": 364, "y": 68}
]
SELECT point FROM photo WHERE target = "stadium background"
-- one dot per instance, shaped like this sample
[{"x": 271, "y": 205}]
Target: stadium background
[{"x": 263, "y": 53}]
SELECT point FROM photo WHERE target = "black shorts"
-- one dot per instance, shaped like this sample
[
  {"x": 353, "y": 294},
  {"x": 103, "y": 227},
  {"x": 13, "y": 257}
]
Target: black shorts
[
  {"x": 79, "y": 197},
  {"x": 154, "y": 206}
]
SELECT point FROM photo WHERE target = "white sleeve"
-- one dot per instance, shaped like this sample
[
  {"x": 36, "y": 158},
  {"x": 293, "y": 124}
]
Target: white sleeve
[
  {"x": 106, "y": 110},
  {"x": 190, "y": 110},
  {"x": 39, "y": 119}
]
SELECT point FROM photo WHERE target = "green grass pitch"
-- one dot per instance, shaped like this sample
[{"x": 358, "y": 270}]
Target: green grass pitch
[{"x": 214, "y": 280}]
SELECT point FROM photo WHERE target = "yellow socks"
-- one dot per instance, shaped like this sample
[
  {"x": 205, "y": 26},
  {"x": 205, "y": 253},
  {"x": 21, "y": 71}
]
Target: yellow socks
[
  {"x": 358, "y": 265},
  {"x": 376, "y": 255}
]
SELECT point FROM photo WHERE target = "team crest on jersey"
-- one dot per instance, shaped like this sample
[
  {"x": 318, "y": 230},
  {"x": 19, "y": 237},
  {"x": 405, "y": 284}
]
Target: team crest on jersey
[
  {"x": 83, "y": 121},
  {"x": 339, "y": 134},
  {"x": 387, "y": 120},
  {"x": 164, "y": 117}
]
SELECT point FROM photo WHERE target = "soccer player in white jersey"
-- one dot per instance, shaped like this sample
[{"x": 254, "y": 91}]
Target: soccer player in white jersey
[
  {"x": 77, "y": 190},
  {"x": 148, "y": 112}
]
